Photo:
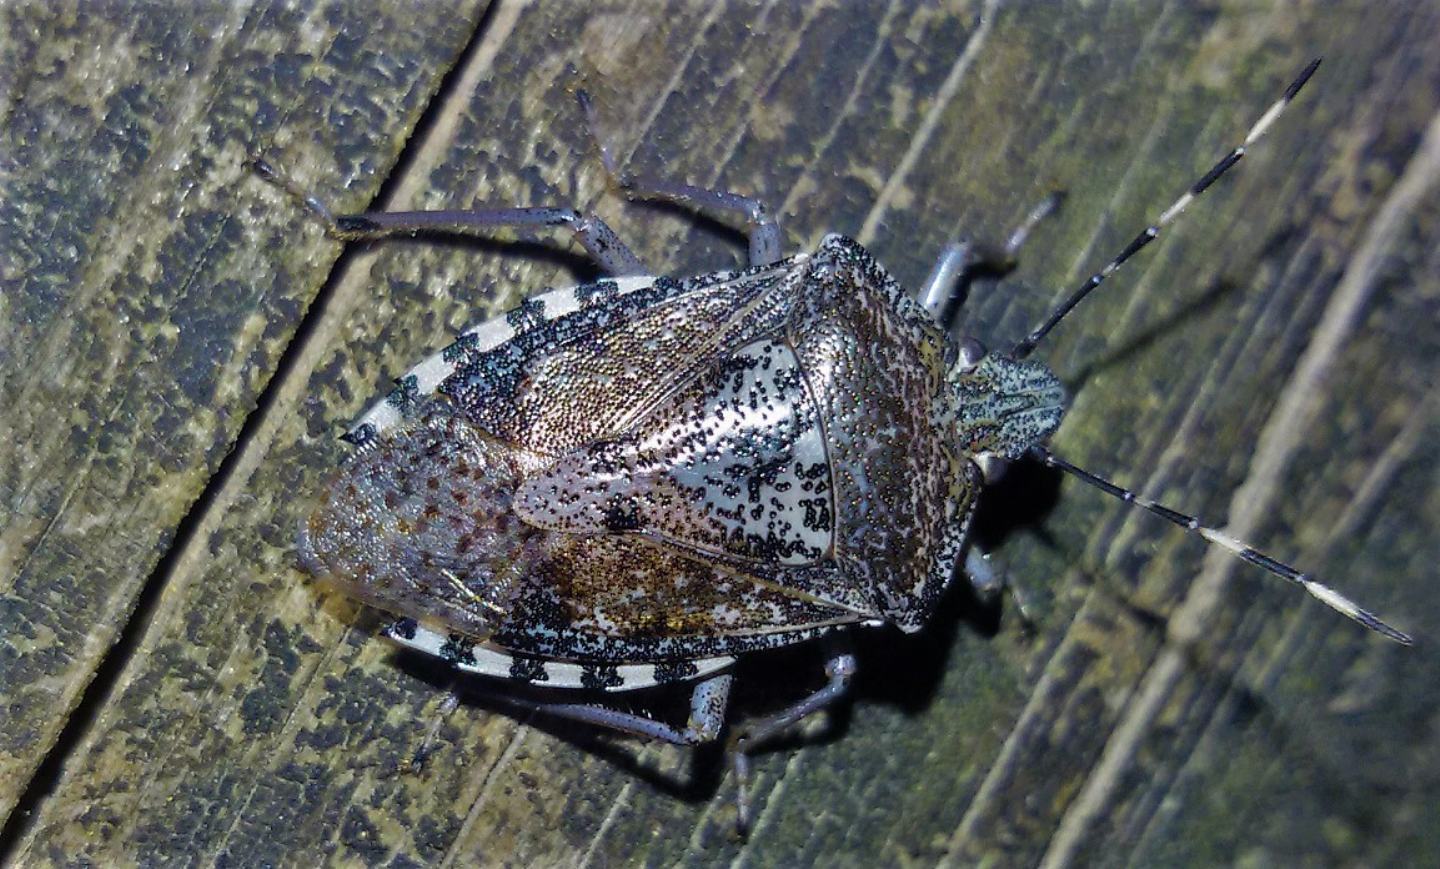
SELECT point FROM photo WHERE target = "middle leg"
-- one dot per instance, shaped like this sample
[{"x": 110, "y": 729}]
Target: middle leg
[
  {"x": 761, "y": 228},
  {"x": 707, "y": 715},
  {"x": 839, "y": 670}
]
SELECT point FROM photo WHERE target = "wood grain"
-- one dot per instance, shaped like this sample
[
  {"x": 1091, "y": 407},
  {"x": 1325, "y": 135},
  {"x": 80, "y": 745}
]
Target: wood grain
[
  {"x": 179, "y": 347},
  {"x": 144, "y": 309}
]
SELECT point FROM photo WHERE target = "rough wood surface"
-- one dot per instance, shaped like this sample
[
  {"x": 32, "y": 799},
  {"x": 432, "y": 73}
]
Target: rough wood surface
[
  {"x": 175, "y": 692},
  {"x": 144, "y": 309}
]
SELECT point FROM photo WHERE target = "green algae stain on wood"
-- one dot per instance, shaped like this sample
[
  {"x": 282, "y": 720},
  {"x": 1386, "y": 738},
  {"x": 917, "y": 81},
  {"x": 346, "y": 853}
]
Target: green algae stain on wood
[{"x": 143, "y": 311}]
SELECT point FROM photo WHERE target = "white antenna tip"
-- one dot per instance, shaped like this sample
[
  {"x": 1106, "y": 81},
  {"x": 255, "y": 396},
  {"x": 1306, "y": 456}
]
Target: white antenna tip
[{"x": 1342, "y": 604}]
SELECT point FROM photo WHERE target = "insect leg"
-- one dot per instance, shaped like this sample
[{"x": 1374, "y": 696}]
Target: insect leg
[
  {"x": 448, "y": 705},
  {"x": 840, "y": 670},
  {"x": 989, "y": 581},
  {"x": 707, "y": 715},
  {"x": 962, "y": 262},
  {"x": 944, "y": 291},
  {"x": 599, "y": 240},
  {"x": 761, "y": 228}
]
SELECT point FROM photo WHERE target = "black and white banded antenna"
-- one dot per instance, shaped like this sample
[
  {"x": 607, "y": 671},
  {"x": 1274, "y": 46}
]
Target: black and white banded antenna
[
  {"x": 1168, "y": 216},
  {"x": 1324, "y": 593}
]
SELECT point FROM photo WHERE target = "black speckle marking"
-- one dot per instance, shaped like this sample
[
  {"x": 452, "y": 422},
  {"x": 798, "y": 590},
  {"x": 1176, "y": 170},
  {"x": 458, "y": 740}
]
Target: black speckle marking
[
  {"x": 667, "y": 285},
  {"x": 528, "y": 670},
  {"x": 405, "y": 394},
  {"x": 529, "y": 315},
  {"x": 676, "y": 671},
  {"x": 597, "y": 293},
  {"x": 355, "y": 223},
  {"x": 360, "y": 435},
  {"x": 460, "y": 348},
  {"x": 622, "y": 514},
  {"x": 600, "y": 676},
  {"x": 402, "y": 629},
  {"x": 457, "y": 650}
]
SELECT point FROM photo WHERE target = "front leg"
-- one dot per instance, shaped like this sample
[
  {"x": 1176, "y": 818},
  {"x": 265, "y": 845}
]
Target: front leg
[
  {"x": 963, "y": 262},
  {"x": 989, "y": 583}
]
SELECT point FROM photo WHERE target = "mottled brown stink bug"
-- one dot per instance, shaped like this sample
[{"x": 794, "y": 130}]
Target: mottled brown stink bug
[{"x": 630, "y": 483}]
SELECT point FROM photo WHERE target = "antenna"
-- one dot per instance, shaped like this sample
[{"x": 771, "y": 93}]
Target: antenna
[
  {"x": 1024, "y": 348},
  {"x": 1327, "y": 595}
]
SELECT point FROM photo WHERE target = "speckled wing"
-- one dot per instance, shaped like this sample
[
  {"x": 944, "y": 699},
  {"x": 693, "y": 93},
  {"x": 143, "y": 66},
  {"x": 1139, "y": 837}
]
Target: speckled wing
[
  {"x": 595, "y": 371},
  {"x": 624, "y": 598},
  {"x": 734, "y": 464}
]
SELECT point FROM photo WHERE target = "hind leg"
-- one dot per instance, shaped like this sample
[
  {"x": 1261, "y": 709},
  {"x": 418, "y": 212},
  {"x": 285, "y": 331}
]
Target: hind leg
[{"x": 598, "y": 239}]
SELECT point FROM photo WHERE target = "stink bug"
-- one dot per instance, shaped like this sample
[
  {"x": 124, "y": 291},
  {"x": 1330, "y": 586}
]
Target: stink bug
[{"x": 631, "y": 482}]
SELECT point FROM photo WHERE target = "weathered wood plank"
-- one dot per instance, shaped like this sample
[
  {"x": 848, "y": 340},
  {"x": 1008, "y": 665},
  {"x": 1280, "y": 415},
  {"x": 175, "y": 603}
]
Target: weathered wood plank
[
  {"x": 259, "y": 720},
  {"x": 142, "y": 309}
]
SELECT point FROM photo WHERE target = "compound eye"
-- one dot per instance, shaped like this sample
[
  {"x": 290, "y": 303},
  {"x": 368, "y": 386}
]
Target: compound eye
[{"x": 971, "y": 352}]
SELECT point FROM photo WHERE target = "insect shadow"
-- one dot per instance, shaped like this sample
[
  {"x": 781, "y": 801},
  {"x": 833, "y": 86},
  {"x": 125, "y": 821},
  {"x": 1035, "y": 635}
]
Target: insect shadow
[
  {"x": 1175, "y": 322},
  {"x": 524, "y": 248}
]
